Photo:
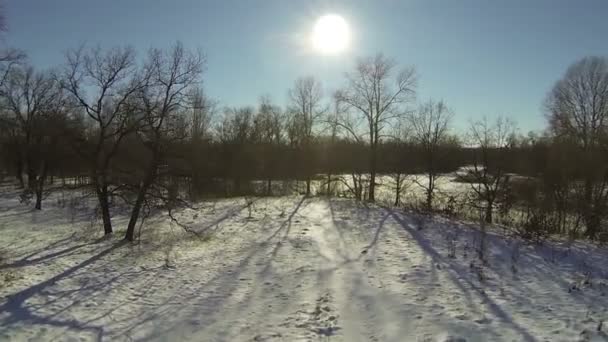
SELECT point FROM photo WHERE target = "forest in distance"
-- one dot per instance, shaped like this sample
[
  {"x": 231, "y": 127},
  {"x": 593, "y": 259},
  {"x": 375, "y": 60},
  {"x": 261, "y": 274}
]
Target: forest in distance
[{"x": 143, "y": 130}]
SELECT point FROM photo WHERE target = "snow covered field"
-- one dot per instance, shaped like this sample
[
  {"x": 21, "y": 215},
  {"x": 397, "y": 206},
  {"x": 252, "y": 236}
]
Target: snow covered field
[{"x": 298, "y": 269}]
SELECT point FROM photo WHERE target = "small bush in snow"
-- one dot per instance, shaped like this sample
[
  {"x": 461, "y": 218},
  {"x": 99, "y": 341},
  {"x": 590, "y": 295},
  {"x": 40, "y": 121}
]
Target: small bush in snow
[
  {"x": 451, "y": 245},
  {"x": 8, "y": 277},
  {"x": 465, "y": 248},
  {"x": 450, "y": 209},
  {"x": 249, "y": 204},
  {"x": 480, "y": 243},
  {"x": 514, "y": 257},
  {"x": 26, "y": 196},
  {"x": 535, "y": 226},
  {"x": 478, "y": 270}
]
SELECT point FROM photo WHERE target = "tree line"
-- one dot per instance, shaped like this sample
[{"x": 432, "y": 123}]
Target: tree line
[{"x": 143, "y": 130}]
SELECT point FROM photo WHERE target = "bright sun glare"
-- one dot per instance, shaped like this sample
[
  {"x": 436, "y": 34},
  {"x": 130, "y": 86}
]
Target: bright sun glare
[{"x": 330, "y": 34}]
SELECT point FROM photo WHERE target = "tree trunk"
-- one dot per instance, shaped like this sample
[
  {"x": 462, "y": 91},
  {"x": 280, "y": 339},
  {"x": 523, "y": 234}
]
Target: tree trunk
[
  {"x": 19, "y": 174},
  {"x": 429, "y": 192},
  {"x": 489, "y": 210},
  {"x": 39, "y": 197},
  {"x": 102, "y": 196},
  {"x": 591, "y": 223},
  {"x": 31, "y": 174},
  {"x": 372, "y": 187},
  {"x": 130, "y": 235},
  {"x": 398, "y": 190},
  {"x": 308, "y": 187},
  {"x": 357, "y": 187},
  {"x": 149, "y": 178},
  {"x": 329, "y": 184},
  {"x": 372, "y": 180},
  {"x": 40, "y": 185},
  {"x": 269, "y": 187}
]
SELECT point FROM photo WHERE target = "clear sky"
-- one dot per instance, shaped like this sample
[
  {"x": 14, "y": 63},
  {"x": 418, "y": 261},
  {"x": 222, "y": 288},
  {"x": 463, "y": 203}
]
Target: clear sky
[{"x": 482, "y": 57}]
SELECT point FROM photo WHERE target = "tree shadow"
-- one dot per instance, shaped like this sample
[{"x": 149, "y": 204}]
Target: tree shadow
[
  {"x": 68, "y": 251},
  {"x": 218, "y": 290},
  {"x": 18, "y": 311},
  {"x": 454, "y": 270},
  {"x": 285, "y": 227},
  {"x": 339, "y": 210},
  {"x": 55, "y": 244},
  {"x": 226, "y": 216}
]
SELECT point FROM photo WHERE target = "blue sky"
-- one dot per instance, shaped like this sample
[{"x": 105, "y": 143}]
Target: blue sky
[{"x": 482, "y": 57}]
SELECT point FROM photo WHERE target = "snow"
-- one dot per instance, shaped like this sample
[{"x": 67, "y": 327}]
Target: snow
[{"x": 298, "y": 269}]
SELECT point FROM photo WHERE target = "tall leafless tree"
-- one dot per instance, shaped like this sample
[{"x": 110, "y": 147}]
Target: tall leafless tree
[
  {"x": 578, "y": 111},
  {"x": 348, "y": 127},
  {"x": 268, "y": 134},
  {"x": 28, "y": 95},
  {"x": 371, "y": 95},
  {"x": 491, "y": 143},
  {"x": 395, "y": 159},
  {"x": 9, "y": 57},
  {"x": 34, "y": 103},
  {"x": 202, "y": 110},
  {"x": 9, "y": 60},
  {"x": 171, "y": 74},
  {"x": 429, "y": 130},
  {"x": 102, "y": 82},
  {"x": 307, "y": 112},
  {"x": 332, "y": 127},
  {"x": 235, "y": 133}
]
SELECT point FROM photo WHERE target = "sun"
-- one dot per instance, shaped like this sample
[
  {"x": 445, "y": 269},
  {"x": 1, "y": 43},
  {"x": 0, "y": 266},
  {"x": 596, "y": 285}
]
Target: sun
[{"x": 330, "y": 34}]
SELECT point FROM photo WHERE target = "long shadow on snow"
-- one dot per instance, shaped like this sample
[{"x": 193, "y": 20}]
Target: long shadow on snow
[
  {"x": 535, "y": 263},
  {"x": 426, "y": 247},
  {"x": 15, "y": 304},
  {"x": 55, "y": 244},
  {"x": 28, "y": 260},
  {"x": 338, "y": 210},
  {"x": 228, "y": 281},
  {"x": 286, "y": 227},
  {"x": 226, "y": 216},
  {"x": 362, "y": 227}
]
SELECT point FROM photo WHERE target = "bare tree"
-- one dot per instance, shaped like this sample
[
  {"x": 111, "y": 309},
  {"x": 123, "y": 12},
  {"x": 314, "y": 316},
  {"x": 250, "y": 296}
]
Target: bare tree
[
  {"x": 27, "y": 95},
  {"x": 490, "y": 143},
  {"x": 9, "y": 133},
  {"x": 347, "y": 126},
  {"x": 268, "y": 134},
  {"x": 333, "y": 128},
  {"x": 9, "y": 59},
  {"x": 202, "y": 111},
  {"x": 33, "y": 103},
  {"x": 370, "y": 94},
  {"x": 429, "y": 130},
  {"x": 102, "y": 82},
  {"x": 306, "y": 108},
  {"x": 578, "y": 103},
  {"x": 2, "y": 19},
  {"x": 171, "y": 74},
  {"x": 235, "y": 133},
  {"x": 396, "y": 158},
  {"x": 578, "y": 111}
]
